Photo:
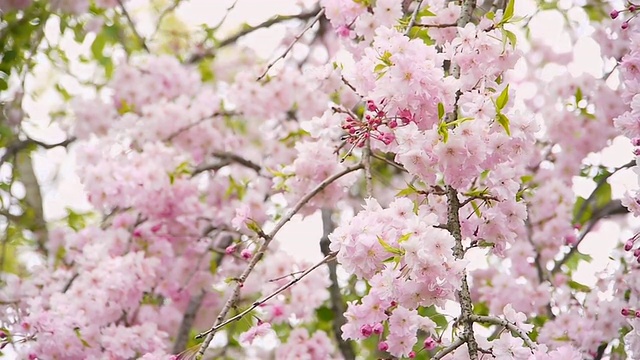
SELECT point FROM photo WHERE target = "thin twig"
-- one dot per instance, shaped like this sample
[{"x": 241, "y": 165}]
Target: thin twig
[
  {"x": 335, "y": 295},
  {"x": 454, "y": 345},
  {"x": 260, "y": 253},
  {"x": 295, "y": 40},
  {"x": 502, "y": 322},
  {"x": 248, "y": 30},
  {"x": 142, "y": 41},
  {"x": 284, "y": 287},
  {"x": 414, "y": 16},
  {"x": 164, "y": 14},
  {"x": 437, "y": 26}
]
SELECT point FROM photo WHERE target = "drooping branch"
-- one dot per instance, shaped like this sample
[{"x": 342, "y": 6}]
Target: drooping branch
[
  {"x": 337, "y": 302},
  {"x": 267, "y": 239}
]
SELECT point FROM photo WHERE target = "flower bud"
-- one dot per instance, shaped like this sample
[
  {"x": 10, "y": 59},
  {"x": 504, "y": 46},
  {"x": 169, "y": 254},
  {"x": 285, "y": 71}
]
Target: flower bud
[
  {"x": 246, "y": 254},
  {"x": 614, "y": 14},
  {"x": 366, "y": 330},
  {"x": 378, "y": 328},
  {"x": 383, "y": 346},
  {"x": 231, "y": 249},
  {"x": 625, "y": 312},
  {"x": 429, "y": 343},
  {"x": 628, "y": 246}
]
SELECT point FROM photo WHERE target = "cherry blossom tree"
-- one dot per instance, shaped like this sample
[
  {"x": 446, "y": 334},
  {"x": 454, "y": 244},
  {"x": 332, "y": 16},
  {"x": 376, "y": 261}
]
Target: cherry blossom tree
[{"x": 441, "y": 142}]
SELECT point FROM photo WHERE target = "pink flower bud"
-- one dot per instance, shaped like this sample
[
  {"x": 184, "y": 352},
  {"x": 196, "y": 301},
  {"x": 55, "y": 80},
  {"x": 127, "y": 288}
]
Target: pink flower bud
[
  {"x": 628, "y": 246},
  {"x": 614, "y": 14},
  {"x": 231, "y": 249},
  {"x": 383, "y": 346},
  {"x": 636, "y": 252},
  {"x": 570, "y": 239},
  {"x": 343, "y": 31},
  {"x": 632, "y": 8},
  {"x": 3, "y": 335},
  {"x": 635, "y": 141},
  {"x": 636, "y": 151},
  {"x": 378, "y": 328},
  {"x": 625, "y": 312},
  {"x": 429, "y": 343},
  {"x": 625, "y": 25},
  {"x": 366, "y": 330},
  {"x": 33, "y": 356},
  {"x": 246, "y": 254},
  {"x": 412, "y": 354},
  {"x": 638, "y": 313}
]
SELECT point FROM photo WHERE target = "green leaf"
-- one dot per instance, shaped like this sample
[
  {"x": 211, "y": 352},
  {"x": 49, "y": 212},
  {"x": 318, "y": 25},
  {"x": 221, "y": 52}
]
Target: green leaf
[
  {"x": 324, "y": 313},
  {"x": 575, "y": 258},
  {"x": 434, "y": 315},
  {"x": 504, "y": 121},
  {"x": 443, "y": 131},
  {"x": 440, "y": 110},
  {"x": 404, "y": 238},
  {"x": 390, "y": 248},
  {"x": 578, "y": 95},
  {"x": 579, "y": 287},
  {"x": 508, "y": 12},
  {"x": 513, "y": 39},
  {"x": 503, "y": 98},
  {"x": 410, "y": 190},
  {"x": 424, "y": 12},
  {"x": 97, "y": 47}
]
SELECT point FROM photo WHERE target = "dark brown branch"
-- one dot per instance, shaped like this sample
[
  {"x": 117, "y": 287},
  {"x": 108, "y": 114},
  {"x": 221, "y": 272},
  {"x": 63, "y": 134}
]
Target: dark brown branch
[{"x": 337, "y": 302}]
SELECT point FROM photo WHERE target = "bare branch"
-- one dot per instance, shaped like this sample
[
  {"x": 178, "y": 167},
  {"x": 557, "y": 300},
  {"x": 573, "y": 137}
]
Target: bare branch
[
  {"x": 337, "y": 302},
  {"x": 295, "y": 40}
]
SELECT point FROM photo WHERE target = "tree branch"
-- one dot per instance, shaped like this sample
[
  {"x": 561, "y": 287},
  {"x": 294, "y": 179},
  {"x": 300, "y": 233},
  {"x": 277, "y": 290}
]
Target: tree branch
[
  {"x": 248, "y": 30},
  {"x": 284, "y": 287},
  {"x": 142, "y": 41},
  {"x": 504, "y": 323},
  {"x": 414, "y": 16},
  {"x": 444, "y": 352},
  {"x": 295, "y": 40},
  {"x": 464, "y": 295},
  {"x": 194, "y": 306},
  {"x": 337, "y": 302},
  {"x": 260, "y": 253}
]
